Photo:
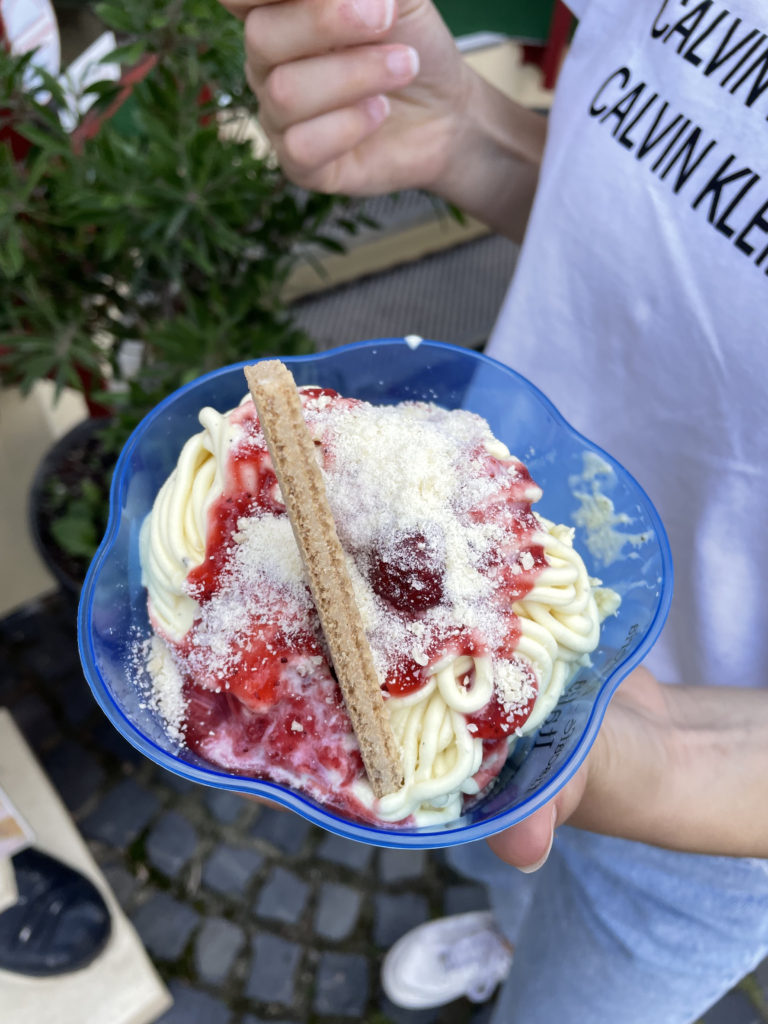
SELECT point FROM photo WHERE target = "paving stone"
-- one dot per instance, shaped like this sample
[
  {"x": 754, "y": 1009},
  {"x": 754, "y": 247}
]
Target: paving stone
[
  {"x": 21, "y": 628},
  {"x": 75, "y": 773},
  {"x": 191, "y": 1006},
  {"x": 282, "y": 897},
  {"x": 174, "y": 782},
  {"x": 733, "y": 1008},
  {"x": 398, "y": 1015},
  {"x": 760, "y": 975},
  {"x": 76, "y": 701},
  {"x": 282, "y": 829},
  {"x": 122, "y": 814},
  {"x": 165, "y": 925},
  {"x": 338, "y": 909},
  {"x": 10, "y": 682},
  {"x": 171, "y": 843},
  {"x": 226, "y": 807},
  {"x": 401, "y": 865},
  {"x": 461, "y": 899},
  {"x": 273, "y": 969},
  {"x": 345, "y": 852},
  {"x": 34, "y": 718},
  {"x": 341, "y": 985},
  {"x": 57, "y": 657},
  {"x": 483, "y": 1014},
  {"x": 111, "y": 741},
  {"x": 395, "y": 914},
  {"x": 122, "y": 883},
  {"x": 230, "y": 870},
  {"x": 250, "y": 1019},
  {"x": 216, "y": 947}
]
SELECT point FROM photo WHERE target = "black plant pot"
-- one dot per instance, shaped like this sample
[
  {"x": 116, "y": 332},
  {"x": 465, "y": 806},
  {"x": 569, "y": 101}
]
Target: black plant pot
[{"x": 76, "y": 455}]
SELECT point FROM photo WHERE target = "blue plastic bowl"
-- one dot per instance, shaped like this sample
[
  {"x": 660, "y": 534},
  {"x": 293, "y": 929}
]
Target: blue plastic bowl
[{"x": 113, "y": 615}]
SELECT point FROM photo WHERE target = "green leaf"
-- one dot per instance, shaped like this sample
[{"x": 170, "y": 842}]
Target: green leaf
[
  {"x": 11, "y": 254},
  {"x": 103, "y": 90},
  {"x": 45, "y": 140},
  {"x": 129, "y": 54},
  {"x": 75, "y": 531},
  {"x": 115, "y": 16},
  {"x": 332, "y": 244},
  {"x": 92, "y": 493},
  {"x": 175, "y": 223}
]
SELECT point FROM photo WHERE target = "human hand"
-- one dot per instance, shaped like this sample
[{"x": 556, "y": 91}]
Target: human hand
[
  {"x": 357, "y": 96},
  {"x": 637, "y": 734}
]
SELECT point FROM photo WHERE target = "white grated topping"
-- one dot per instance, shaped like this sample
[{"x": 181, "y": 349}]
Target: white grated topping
[
  {"x": 420, "y": 486},
  {"x": 167, "y": 694},
  {"x": 515, "y": 685},
  {"x": 435, "y": 521},
  {"x": 268, "y": 551}
]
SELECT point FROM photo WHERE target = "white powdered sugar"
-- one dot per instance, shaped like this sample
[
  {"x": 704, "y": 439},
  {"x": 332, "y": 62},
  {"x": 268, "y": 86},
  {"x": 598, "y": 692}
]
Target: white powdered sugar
[
  {"x": 414, "y": 491},
  {"x": 263, "y": 582},
  {"x": 166, "y": 692},
  {"x": 394, "y": 472},
  {"x": 515, "y": 685},
  {"x": 267, "y": 550}
]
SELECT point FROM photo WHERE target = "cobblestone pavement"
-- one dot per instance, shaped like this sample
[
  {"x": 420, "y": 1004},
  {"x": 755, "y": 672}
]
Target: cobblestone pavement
[{"x": 251, "y": 915}]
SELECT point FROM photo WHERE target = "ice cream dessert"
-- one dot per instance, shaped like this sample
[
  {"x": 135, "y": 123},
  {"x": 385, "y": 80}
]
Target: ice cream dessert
[{"x": 477, "y": 610}]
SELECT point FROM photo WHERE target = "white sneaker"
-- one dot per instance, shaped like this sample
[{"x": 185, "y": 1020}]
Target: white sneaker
[{"x": 442, "y": 960}]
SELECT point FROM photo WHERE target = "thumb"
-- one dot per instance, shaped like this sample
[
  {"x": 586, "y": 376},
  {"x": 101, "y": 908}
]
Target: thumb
[{"x": 526, "y": 846}]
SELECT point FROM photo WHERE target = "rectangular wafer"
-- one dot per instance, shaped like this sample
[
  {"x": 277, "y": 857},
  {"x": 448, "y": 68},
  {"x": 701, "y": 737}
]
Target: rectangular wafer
[{"x": 301, "y": 482}]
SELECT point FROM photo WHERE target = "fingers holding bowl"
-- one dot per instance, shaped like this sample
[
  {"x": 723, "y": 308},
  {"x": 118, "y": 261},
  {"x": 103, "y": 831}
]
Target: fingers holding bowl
[
  {"x": 279, "y": 33},
  {"x": 304, "y": 89}
]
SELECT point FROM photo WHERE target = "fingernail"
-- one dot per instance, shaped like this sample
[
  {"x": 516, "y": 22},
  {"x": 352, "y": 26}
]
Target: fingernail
[
  {"x": 377, "y": 108},
  {"x": 530, "y": 868},
  {"x": 402, "y": 62},
  {"x": 374, "y": 14}
]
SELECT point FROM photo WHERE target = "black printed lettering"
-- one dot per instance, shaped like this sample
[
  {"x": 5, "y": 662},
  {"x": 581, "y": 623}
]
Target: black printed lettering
[
  {"x": 657, "y": 164},
  {"x": 688, "y": 24},
  {"x": 714, "y": 187},
  {"x": 655, "y": 30},
  {"x": 623, "y": 107},
  {"x": 689, "y": 164},
  {"x": 651, "y": 141},
  {"x": 538, "y": 743},
  {"x": 547, "y": 732},
  {"x": 760, "y": 85},
  {"x": 721, "y": 55},
  {"x": 624, "y": 138},
  {"x": 690, "y": 54},
  {"x": 722, "y": 224},
  {"x": 744, "y": 58},
  {"x": 623, "y": 74},
  {"x": 758, "y": 222},
  {"x": 682, "y": 155}
]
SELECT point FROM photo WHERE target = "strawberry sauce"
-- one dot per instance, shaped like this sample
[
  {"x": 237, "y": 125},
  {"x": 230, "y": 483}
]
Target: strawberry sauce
[{"x": 264, "y": 701}]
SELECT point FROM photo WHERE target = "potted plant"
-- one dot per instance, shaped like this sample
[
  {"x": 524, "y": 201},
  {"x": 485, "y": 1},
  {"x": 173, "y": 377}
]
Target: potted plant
[{"x": 146, "y": 247}]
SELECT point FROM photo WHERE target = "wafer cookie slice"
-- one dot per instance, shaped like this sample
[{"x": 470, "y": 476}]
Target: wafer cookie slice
[{"x": 301, "y": 482}]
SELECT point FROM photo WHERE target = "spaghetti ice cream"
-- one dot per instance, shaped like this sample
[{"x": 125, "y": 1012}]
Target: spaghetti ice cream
[{"x": 477, "y": 610}]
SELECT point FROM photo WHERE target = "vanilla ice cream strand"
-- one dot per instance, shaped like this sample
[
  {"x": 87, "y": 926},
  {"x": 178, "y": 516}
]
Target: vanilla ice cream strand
[
  {"x": 474, "y": 697},
  {"x": 575, "y": 634},
  {"x": 301, "y": 482}
]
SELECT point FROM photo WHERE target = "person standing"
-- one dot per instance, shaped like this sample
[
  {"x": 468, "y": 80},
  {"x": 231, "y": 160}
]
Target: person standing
[{"x": 638, "y": 305}]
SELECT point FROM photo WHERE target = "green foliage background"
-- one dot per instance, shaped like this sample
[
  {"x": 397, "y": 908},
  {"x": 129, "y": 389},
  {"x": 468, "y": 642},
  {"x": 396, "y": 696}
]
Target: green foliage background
[{"x": 160, "y": 228}]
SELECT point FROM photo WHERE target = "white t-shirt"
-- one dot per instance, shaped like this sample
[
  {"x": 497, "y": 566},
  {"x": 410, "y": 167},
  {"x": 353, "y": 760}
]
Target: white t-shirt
[{"x": 640, "y": 300}]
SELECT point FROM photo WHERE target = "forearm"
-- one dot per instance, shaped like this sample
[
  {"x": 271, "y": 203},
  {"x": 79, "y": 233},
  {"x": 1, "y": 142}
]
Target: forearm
[
  {"x": 693, "y": 779},
  {"x": 496, "y": 155}
]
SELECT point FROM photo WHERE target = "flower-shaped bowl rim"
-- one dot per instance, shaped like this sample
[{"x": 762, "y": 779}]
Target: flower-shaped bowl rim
[{"x": 427, "y": 838}]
